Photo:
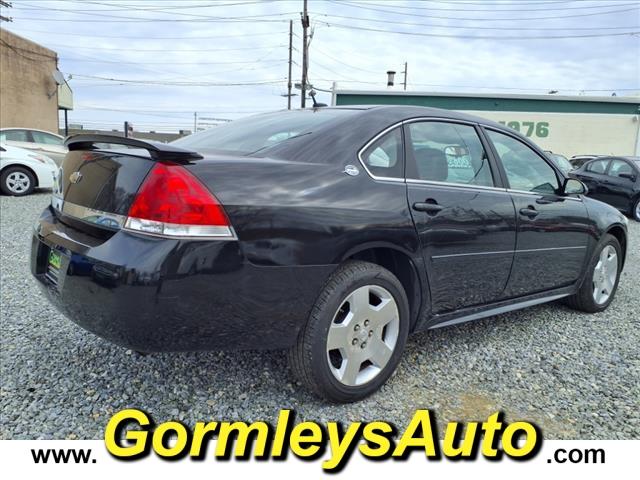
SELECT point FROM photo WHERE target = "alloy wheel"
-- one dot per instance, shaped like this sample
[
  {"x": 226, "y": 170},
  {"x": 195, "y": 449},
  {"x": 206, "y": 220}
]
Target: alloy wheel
[
  {"x": 363, "y": 335},
  {"x": 18, "y": 182},
  {"x": 605, "y": 274}
]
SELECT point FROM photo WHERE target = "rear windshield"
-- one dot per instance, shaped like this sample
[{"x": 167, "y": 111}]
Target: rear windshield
[{"x": 253, "y": 134}]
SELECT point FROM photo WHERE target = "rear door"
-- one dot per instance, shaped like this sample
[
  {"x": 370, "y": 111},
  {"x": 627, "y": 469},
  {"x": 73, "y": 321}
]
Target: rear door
[
  {"x": 593, "y": 175},
  {"x": 553, "y": 230},
  {"x": 618, "y": 190},
  {"x": 465, "y": 220}
]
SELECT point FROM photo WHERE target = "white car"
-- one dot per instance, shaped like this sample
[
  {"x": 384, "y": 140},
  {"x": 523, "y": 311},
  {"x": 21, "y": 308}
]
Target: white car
[
  {"x": 38, "y": 141},
  {"x": 23, "y": 170}
]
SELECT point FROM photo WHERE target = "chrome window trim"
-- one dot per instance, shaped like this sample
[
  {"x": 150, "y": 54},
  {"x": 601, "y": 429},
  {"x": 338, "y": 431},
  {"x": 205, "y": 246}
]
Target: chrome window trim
[
  {"x": 436, "y": 183},
  {"x": 440, "y": 119},
  {"x": 539, "y": 194},
  {"x": 416, "y": 180},
  {"x": 371, "y": 142}
]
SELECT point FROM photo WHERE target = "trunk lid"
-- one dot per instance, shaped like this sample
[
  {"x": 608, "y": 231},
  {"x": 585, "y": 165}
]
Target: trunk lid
[{"x": 96, "y": 187}]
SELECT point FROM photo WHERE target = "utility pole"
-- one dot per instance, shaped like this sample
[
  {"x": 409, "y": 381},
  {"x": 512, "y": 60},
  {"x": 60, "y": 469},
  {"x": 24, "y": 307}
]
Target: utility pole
[
  {"x": 305, "y": 54},
  {"x": 405, "y": 76},
  {"x": 195, "y": 121},
  {"x": 290, "y": 60}
]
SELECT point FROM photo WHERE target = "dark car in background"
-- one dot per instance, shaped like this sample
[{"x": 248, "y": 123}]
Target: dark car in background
[
  {"x": 613, "y": 180},
  {"x": 578, "y": 160},
  {"x": 331, "y": 232}
]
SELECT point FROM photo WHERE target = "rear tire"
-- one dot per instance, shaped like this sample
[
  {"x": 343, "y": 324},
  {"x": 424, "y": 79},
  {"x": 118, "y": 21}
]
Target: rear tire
[
  {"x": 635, "y": 210},
  {"x": 600, "y": 283},
  {"x": 17, "y": 181},
  {"x": 363, "y": 312}
]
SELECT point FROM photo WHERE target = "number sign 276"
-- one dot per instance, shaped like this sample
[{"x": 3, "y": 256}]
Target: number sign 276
[{"x": 541, "y": 129}]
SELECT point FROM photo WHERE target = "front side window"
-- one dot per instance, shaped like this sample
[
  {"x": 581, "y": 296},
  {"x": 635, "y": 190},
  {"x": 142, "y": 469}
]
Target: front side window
[
  {"x": 525, "y": 169},
  {"x": 14, "y": 136},
  {"x": 447, "y": 152},
  {"x": 619, "y": 166},
  {"x": 383, "y": 158},
  {"x": 41, "y": 137},
  {"x": 597, "y": 166}
]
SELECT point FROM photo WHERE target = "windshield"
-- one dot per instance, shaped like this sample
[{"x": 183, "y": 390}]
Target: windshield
[
  {"x": 562, "y": 163},
  {"x": 252, "y": 134}
]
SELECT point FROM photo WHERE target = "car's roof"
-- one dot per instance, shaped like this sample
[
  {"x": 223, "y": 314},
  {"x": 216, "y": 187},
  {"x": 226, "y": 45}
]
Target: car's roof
[
  {"x": 620, "y": 157},
  {"x": 400, "y": 112},
  {"x": 30, "y": 129}
]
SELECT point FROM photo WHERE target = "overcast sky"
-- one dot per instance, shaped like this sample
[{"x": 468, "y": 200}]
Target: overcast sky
[{"x": 155, "y": 62}]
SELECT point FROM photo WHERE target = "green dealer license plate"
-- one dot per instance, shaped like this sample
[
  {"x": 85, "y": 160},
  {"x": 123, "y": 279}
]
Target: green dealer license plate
[{"x": 55, "y": 259}]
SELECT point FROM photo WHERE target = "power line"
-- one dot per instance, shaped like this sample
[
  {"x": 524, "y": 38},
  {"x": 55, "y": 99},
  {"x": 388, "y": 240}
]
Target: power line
[
  {"x": 474, "y": 27},
  {"x": 480, "y": 37},
  {"x": 491, "y": 10},
  {"x": 118, "y": 62},
  {"x": 168, "y": 50},
  {"x": 175, "y": 83},
  {"x": 129, "y": 37},
  {"x": 127, "y": 7},
  {"x": 89, "y": 20},
  {"x": 500, "y": 2},
  {"x": 130, "y": 19},
  {"x": 477, "y": 87},
  {"x": 485, "y": 19}
]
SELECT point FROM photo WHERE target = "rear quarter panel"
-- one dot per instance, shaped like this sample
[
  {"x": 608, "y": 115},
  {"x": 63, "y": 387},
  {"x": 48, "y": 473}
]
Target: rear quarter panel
[{"x": 295, "y": 213}]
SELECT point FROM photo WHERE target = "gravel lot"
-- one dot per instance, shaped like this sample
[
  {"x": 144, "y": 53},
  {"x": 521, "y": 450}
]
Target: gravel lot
[{"x": 576, "y": 375}]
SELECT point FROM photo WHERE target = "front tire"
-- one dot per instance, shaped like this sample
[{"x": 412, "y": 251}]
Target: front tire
[
  {"x": 17, "y": 181},
  {"x": 355, "y": 334},
  {"x": 601, "y": 281}
]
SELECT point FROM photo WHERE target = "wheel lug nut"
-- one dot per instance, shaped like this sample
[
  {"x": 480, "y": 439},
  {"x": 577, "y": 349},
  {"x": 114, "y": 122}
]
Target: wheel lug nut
[
  {"x": 370, "y": 333},
  {"x": 356, "y": 328},
  {"x": 364, "y": 344},
  {"x": 366, "y": 323},
  {"x": 354, "y": 341}
]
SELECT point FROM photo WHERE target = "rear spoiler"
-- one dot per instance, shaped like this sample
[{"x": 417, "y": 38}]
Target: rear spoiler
[{"x": 158, "y": 151}]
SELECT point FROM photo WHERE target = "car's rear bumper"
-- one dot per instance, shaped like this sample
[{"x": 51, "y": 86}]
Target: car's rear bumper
[{"x": 156, "y": 294}]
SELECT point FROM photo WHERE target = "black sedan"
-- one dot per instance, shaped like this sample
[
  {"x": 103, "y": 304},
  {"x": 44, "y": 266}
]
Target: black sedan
[
  {"x": 613, "y": 180},
  {"x": 333, "y": 233}
]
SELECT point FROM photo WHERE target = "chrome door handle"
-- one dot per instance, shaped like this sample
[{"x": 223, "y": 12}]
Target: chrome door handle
[
  {"x": 427, "y": 207},
  {"x": 529, "y": 212}
]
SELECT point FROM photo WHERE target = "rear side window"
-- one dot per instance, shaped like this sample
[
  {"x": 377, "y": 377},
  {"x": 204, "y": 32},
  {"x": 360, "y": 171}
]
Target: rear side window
[
  {"x": 525, "y": 169},
  {"x": 383, "y": 158},
  {"x": 618, "y": 167},
  {"x": 597, "y": 166},
  {"x": 254, "y": 134},
  {"x": 14, "y": 136},
  {"x": 447, "y": 152},
  {"x": 41, "y": 137}
]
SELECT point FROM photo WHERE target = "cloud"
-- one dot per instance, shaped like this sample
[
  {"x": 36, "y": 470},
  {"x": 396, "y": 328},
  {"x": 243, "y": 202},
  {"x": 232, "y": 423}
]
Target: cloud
[{"x": 234, "y": 41}]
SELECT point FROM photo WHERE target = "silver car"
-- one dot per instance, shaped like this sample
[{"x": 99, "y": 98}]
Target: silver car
[{"x": 39, "y": 141}]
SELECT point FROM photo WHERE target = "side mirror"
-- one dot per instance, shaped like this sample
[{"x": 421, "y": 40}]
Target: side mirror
[
  {"x": 630, "y": 176},
  {"x": 573, "y": 186}
]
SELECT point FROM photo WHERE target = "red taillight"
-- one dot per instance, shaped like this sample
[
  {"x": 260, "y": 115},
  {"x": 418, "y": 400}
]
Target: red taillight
[{"x": 171, "y": 201}]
